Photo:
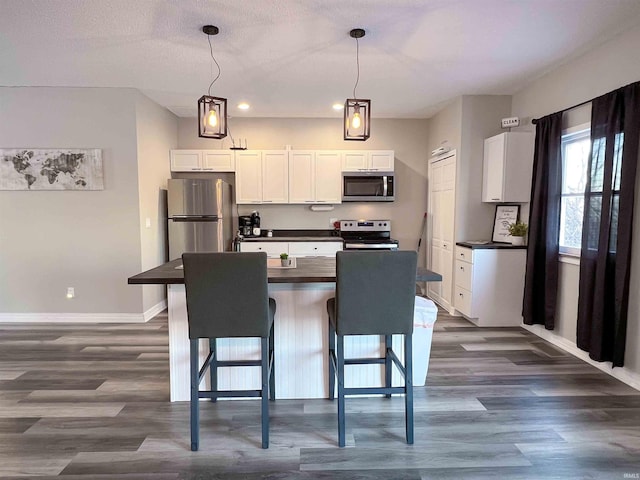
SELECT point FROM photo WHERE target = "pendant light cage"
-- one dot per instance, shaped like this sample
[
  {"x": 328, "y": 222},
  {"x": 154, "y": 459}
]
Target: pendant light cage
[
  {"x": 357, "y": 111},
  {"x": 212, "y": 111},
  {"x": 212, "y": 117},
  {"x": 357, "y": 119}
]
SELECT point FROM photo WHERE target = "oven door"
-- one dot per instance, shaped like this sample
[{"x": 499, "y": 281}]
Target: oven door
[{"x": 367, "y": 187}]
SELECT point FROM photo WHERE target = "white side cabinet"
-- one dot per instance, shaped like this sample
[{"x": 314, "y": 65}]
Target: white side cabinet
[
  {"x": 315, "y": 176},
  {"x": 490, "y": 285},
  {"x": 368, "y": 160},
  {"x": 508, "y": 163},
  {"x": 262, "y": 176},
  {"x": 202, "y": 161}
]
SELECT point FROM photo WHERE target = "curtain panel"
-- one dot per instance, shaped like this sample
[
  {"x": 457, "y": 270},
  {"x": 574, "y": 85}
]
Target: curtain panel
[
  {"x": 605, "y": 259},
  {"x": 541, "y": 278}
]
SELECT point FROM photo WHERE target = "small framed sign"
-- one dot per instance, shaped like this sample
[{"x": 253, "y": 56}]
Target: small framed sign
[{"x": 505, "y": 216}]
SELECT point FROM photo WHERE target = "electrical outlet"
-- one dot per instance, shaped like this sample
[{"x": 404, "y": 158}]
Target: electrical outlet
[
  {"x": 332, "y": 221},
  {"x": 71, "y": 292},
  {"x": 147, "y": 223}
]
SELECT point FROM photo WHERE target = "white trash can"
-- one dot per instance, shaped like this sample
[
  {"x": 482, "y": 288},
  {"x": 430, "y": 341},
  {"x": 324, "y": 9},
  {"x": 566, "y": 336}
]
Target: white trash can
[{"x": 424, "y": 317}]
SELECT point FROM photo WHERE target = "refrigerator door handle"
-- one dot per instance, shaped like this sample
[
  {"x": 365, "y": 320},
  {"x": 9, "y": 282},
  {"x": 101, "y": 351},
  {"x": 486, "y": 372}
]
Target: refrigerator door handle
[{"x": 191, "y": 218}]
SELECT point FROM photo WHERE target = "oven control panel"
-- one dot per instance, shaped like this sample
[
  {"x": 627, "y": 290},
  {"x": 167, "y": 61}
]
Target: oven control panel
[{"x": 365, "y": 225}]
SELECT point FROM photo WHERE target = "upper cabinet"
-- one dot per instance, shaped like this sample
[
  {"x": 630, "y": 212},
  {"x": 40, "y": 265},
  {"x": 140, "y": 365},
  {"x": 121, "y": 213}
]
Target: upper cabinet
[
  {"x": 367, "y": 160},
  {"x": 315, "y": 176},
  {"x": 262, "y": 176},
  {"x": 202, "y": 161},
  {"x": 508, "y": 163}
]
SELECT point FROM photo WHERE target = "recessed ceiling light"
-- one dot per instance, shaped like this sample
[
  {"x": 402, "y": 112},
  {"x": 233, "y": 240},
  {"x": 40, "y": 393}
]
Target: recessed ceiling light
[
  {"x": 243, "y": 106},
  {"x": 338, "y": 106}
]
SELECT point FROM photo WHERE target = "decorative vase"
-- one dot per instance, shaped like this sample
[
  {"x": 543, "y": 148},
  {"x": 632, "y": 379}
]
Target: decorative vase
[{"x": 517, "y": 240}]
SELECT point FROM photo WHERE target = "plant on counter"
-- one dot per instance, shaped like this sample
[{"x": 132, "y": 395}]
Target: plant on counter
[
  {"x": 284, "y": 256},
  {"x": 518, "y": 229},
  {"x": 285, "y": 261}
]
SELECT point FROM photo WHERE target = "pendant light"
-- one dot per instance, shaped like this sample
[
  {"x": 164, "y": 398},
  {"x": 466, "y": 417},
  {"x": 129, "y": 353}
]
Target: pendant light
[
  {"x": 212, "y": 111},
  {"x": 357, "y": 111}
]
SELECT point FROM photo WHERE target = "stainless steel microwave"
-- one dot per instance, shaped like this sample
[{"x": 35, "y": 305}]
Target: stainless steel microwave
[{"x": 368, "y": 187}]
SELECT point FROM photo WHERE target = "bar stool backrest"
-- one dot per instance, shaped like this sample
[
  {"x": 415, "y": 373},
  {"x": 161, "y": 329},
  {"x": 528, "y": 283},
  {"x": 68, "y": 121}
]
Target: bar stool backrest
[
  {"x": 227, "y": 294},
  {"x": 375, "y": 292}
]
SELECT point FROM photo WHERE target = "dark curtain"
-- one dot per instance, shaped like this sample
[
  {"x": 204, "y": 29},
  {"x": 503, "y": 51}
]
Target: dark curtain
[
  {"x": 541, "y": 280},
  {"x": 605, "y": 259}
]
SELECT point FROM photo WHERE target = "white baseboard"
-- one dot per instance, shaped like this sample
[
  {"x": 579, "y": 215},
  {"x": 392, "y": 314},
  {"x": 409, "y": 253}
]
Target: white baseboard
[
  {"x": 624, "y": 375},
  {"x": 84, "y": 317}
]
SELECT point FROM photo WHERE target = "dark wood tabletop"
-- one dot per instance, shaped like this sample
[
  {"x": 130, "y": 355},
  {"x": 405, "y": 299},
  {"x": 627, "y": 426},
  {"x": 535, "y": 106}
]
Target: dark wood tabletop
[{"x": 308, "y": 270}]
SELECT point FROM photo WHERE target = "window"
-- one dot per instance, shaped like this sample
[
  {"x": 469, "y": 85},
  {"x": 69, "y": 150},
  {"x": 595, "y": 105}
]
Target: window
[{"x": 576, "y": 145}]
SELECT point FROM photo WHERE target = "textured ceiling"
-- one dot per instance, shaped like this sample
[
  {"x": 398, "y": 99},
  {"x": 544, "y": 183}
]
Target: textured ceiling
[{"x": 291, "y": 58}]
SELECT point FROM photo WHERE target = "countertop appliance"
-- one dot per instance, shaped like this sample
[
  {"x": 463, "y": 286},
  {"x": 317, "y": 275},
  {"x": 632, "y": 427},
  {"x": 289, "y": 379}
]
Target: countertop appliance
[
  {"x": 200, "y": 215},
  {"x": 368, "y": 187},
  {"x": 367, "y": 235}
]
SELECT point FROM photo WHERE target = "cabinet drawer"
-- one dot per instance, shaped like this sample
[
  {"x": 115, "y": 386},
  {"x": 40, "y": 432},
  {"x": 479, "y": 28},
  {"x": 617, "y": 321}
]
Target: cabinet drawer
[
  {"x": 462, "y": 301},
  {"x": 314, "y": 249},
  {"x": 464, "y": 254},
  {"x": 464, "y": 274},
  {"x": 273, "y": 249}
]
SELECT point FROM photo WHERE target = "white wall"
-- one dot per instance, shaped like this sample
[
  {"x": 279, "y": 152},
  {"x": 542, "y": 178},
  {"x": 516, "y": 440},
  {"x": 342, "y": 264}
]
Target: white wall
[
  {"x": 601, "y": 70},
  {"x": 406, "y": 137},
  {"x": 157, "y": 133},
  {"x": 90, "y": 240}
]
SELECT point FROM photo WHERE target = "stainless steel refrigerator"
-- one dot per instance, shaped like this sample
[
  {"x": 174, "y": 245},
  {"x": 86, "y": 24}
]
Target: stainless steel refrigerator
[{"x": 200, "y": 213}]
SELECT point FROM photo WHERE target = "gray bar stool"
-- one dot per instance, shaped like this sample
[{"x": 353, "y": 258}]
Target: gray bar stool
[
  {"x": 227, "y": 297},
  {"x": 375, "y": 295}
]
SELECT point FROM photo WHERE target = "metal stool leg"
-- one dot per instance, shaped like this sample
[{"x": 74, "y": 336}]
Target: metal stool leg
[
  {"x": 195, "y": 411},
  {"x": 341, "y": 413},
  {"x": 272, "y": 361},
  {"x": 332, "y": 356},
  {"x": 408, "y": 382},
  {"x": 387, "y": 362},
  {"x": 265, "y": 392},
  {"x": 213, "y": 366}
]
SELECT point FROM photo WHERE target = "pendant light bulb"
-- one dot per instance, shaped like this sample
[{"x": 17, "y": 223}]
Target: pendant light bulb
[
  {"x": 212, "y": 118},
  {"x": 356, "y": 121}
]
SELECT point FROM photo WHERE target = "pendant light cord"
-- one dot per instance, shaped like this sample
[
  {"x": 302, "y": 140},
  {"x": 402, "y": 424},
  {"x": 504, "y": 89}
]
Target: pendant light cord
[
  {"x": 217, "y": 65},
  {"x": 358, "y": 67}
]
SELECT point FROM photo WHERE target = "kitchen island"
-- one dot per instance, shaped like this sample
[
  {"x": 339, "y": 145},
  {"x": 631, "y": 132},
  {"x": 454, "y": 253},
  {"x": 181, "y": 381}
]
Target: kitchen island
[{"x": 301, "y": 332}]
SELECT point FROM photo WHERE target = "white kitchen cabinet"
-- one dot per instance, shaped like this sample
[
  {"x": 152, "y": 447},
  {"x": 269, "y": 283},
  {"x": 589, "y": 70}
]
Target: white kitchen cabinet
[
  {"x": 272, "y": 249},
  {"x": 248, "y": 176},
  {"x": 315, "y": 176},
  {"x": 368, "y": 160},
  {"x": 202, "y": 161},
  {"x": 275, "y": 176},
  {"x": 442, "y": 175},
  {"x": 314, "y": 249},
  {"x": 262, "y": 176},
  {"x": 294, "y": 249},
  {"x": 489, "y": 284},
  {"x": 219, "y": 160},
  {"x": 507, "y": 167}
]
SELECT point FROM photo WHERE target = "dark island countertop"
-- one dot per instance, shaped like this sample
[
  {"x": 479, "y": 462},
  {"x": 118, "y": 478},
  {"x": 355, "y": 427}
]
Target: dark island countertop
[
  {"x": 308, "y": 270},
  {"x": 489, "y": 245},
  {"x": 296, "y": 236}
]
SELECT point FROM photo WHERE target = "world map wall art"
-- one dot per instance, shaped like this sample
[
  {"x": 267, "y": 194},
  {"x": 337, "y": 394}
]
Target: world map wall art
[{"x": 51, "y": 169}]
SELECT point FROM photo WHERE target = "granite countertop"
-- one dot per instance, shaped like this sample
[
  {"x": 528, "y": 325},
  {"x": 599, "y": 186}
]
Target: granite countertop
[
  {"x": 296, "y": 236},
  {"x": 490, "y": 245},
  {"x": 308, "y": 270}
]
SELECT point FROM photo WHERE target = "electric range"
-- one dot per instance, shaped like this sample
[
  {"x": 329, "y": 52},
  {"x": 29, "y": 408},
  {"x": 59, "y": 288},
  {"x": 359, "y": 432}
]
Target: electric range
[{"x": 367, "y": 235}]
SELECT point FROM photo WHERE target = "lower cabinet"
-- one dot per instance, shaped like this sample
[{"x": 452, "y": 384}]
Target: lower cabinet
[
  {"x": 489, "y": 285},
  {"x": 295, "y": 249}
]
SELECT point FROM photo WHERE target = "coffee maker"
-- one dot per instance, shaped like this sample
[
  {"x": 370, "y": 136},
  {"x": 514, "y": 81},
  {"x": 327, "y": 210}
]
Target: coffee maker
[{"x": 245, "y": 225}]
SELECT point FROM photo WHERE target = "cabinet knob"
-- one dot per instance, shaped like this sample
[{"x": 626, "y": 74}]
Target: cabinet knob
[
  {"x": 462, "y": 268},
  {"x": 461, "y": 294},
  {"x": 495, "y": 199}
]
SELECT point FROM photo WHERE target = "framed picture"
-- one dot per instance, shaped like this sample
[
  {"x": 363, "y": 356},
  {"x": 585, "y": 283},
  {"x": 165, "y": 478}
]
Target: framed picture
[{"x": 505, "y": 216}]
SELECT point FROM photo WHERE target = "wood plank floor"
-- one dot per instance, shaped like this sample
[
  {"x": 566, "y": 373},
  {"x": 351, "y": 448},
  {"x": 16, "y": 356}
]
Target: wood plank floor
[{"x": 92, "y": 402}]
